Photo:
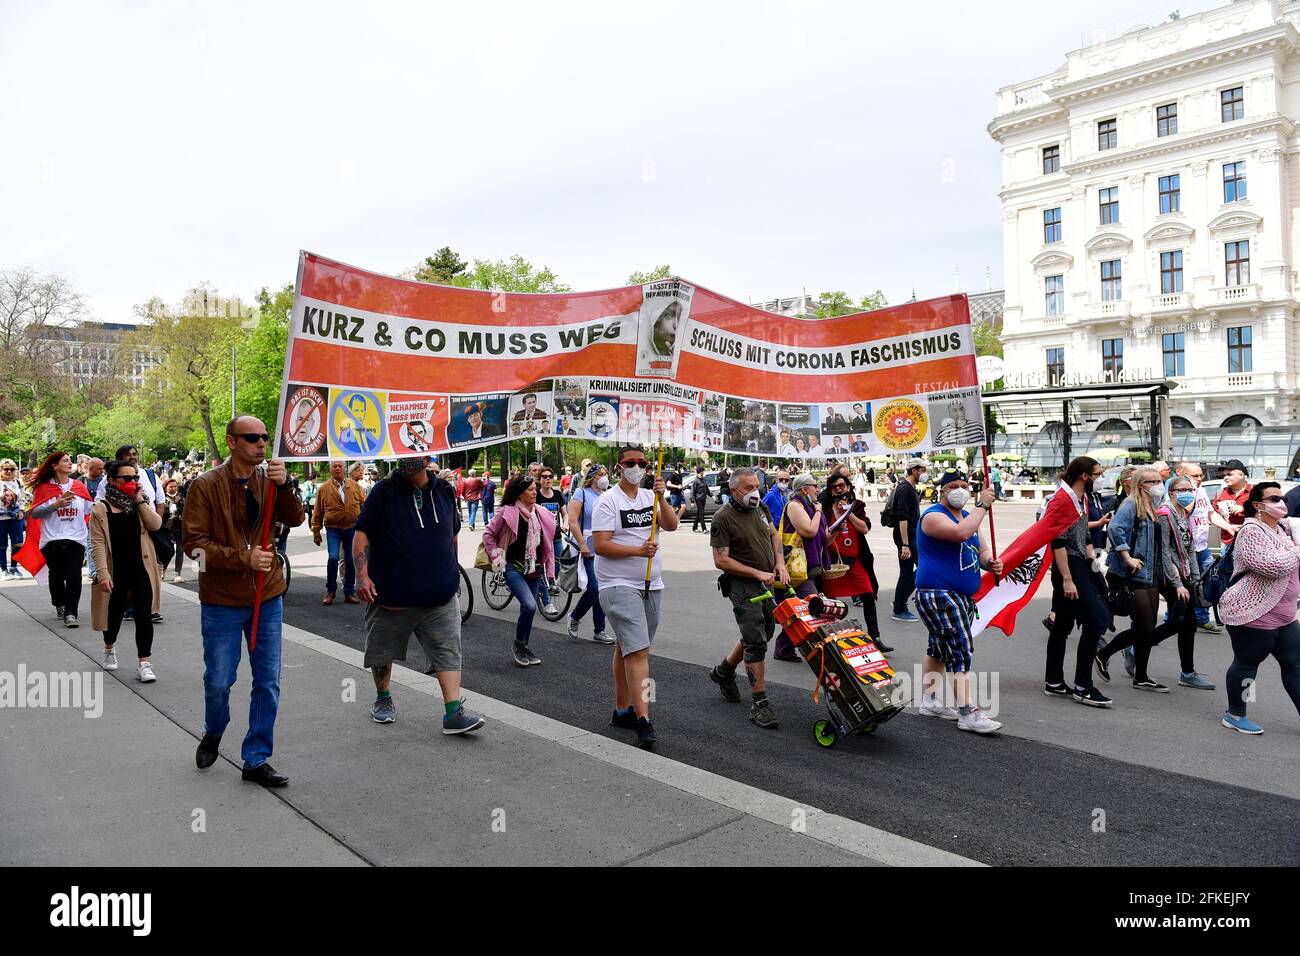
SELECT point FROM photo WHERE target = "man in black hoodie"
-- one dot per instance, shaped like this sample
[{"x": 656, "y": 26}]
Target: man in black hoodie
[{"x": 409, "y": 578}]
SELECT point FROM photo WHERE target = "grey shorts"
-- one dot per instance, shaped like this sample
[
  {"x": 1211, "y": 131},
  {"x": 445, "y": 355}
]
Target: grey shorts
[
  {"x": 635, "y": 620},
  {"x": 754, "y": 620},
  {"x": 389, "y": 630}
]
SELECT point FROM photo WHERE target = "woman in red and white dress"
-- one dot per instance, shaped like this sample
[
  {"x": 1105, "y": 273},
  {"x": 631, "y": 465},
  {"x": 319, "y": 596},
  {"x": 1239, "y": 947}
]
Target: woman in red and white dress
[{"x": 847, "y": 546}]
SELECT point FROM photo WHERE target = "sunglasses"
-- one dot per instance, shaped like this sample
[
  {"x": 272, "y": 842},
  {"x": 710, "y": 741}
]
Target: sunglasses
[
  {"x": 635, "y": 463},
  {"x": 547, "y": 477},
  {"x": 1270, "y": 500},
  {"x": 254, "y": 437},
  {"x": 125, "y": 477}
]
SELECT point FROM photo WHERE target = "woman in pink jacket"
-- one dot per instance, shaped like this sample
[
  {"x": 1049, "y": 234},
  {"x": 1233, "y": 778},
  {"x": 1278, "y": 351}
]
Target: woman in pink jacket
[
  {"x": 520, "y": 541},
  {"x": 1260, "y": 608}
]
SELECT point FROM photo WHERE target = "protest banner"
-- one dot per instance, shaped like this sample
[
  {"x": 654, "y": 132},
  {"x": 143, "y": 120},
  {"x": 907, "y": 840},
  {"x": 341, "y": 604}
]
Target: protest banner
[{"x": 382, "y": 367}]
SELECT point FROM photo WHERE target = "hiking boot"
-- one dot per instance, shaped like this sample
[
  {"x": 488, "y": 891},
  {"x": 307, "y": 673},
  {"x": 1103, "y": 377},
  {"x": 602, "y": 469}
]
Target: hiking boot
[
  {"x": 762, "y": 715},
  {"x": 726, "y": 683}
]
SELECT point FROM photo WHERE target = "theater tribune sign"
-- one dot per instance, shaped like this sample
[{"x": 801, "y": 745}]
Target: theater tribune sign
[{"x": 1022, "y": 380}]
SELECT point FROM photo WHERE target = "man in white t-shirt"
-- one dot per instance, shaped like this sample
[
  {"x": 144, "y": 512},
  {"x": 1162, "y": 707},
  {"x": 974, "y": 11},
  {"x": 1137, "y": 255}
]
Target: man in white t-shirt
[{"x": 620, "y": 531}]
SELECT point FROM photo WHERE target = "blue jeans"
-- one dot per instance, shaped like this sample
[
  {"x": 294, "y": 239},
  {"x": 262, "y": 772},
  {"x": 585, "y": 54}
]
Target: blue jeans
[
  {"x": 224, "y": 630},
  {"x": 1204, "y": 559},
  {"x": 473, "y": 512},
  {"x": 590, "y": 597},
  {"x": 11, "y": 533},
  {"x": 525, "y": 593},
  {"x": 340, "y": 539}
]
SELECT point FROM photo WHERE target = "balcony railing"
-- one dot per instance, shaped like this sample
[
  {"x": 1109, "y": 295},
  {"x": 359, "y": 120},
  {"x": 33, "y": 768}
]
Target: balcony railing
[
  {"x": 1227, "y": 295},
  {"x": 1244, "y": 380},
  {"x": 1115, "y": 309},
  {"x": 1171, "y": 302}
]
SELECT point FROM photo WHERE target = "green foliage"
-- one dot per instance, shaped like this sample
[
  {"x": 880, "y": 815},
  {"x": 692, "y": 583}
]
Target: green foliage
[
  {"x": 658, "y": 272},
  {"x": 27, "y": 438},
  {"x": 830, "y": 304},
  {"x": 987, "y": 341},
  {"x": 442, "y": 268},
  {"x": 515, "y": 274},
  {"x": 876, "y": 300}
]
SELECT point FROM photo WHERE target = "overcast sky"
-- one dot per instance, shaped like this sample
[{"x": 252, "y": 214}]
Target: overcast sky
[{"x": 759, "y": 148}]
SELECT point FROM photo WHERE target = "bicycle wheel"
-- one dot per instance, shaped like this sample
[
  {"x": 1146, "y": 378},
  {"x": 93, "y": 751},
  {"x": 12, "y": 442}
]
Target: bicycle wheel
[
  {"x": 466, "y": 596},
  {"x": 561, "y": 602},
  {"x": 495, "y": 590}
]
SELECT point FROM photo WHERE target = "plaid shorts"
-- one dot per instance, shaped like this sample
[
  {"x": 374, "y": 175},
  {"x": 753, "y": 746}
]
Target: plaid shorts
[{"x": 947, "y": 616}]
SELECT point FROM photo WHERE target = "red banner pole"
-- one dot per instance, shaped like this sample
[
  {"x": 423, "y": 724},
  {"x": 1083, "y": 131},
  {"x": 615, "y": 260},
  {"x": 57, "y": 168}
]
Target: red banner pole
[
  {"x": 268, "y": 509},
  {"x": 988, "y": 483}
]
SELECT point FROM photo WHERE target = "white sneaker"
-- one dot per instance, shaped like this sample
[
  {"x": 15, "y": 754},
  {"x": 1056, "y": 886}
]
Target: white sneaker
[
  {"x": 977, "y": 722},
  {"x": 110, "y": 660},
  {"x": 146, "y": 673},
  {"x": 178, "y": 579},
  {"x": 573, "y": 629},
  {"x": 551, "y": 609},
  {"x": 931, "y": 707},
  {"x": 70, "y": 620}
]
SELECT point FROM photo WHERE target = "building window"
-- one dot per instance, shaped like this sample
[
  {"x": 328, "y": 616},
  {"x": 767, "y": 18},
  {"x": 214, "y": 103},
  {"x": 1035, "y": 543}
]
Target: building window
[
  {"x": 1108, "y": 199},
  {"x": 1239, "y": 350},
  {"x": 1110, "y": 281},
  {"x": 1232, "y": 104},
  {"x": 1175, "y": 357},
  {"x": 1107, "y": 135},
  {"x": 1055, "y": 366},
  {"x": 1112, "y": 358},
  {"x": 1171, "y": 272},
  {"x": 1234, "y": 181},
  {"x": 1171, "y": 195},
  {"x": 1236, "y": 258},
  {"x": 1167, "y": 119},
  {"x": 1055, "y": 295},
  {"x": 1051, "y": 159},
  {"x": 1052, "y": 225}
]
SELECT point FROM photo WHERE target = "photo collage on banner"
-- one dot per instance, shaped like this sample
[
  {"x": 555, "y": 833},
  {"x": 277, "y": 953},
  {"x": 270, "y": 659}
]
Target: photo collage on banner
[
  {"x": 531, "y": 412},
  {"x": 357, "y": 424},
  {"x": 570, "y": 397},
  {"x": 644, "y": 413},
  {"x": 750, "y": 426},
  {"x": 713, "y": 411},
  {"x": 799, "y": 434}
]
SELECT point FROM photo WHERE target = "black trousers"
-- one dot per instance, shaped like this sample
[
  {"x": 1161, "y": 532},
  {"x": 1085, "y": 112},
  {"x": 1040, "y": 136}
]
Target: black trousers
[
  {"x": 138, "y": 595},
  {"x": 699, "y": 516},
  {"x": 1144, "y": 634},
  {"x": 63, "y": 561},
  {"x": 906, "y": 580},
  {"x": 1088, "y": 610},
  {"x": 1250, "y": 645}
]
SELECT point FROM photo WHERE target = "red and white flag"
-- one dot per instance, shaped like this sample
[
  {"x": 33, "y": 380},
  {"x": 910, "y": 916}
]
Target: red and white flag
[{"x": 1024, "y": 565}]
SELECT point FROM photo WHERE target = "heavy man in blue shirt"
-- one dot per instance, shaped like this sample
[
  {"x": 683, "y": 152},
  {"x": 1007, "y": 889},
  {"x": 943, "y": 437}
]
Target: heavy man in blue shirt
[
  {"x": 408, "y": 573},
  {"x": 951, "y": 555}
]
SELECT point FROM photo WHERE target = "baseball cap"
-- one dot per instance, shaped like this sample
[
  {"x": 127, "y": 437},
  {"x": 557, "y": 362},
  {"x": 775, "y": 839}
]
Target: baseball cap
[
  {"x": 1234, "y": 464},
  {"x": 915, "y": 463}
]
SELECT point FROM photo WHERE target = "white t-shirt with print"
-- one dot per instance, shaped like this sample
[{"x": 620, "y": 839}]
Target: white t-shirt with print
[
  {"x": 629, "y": 519},
  {"x": 68, "y": 523},
  {"x": 1200, "y": 520}
]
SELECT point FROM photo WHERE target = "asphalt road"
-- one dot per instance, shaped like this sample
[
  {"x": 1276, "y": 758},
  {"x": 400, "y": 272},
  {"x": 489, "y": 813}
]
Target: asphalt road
[{"x": 1168, "y": 785}]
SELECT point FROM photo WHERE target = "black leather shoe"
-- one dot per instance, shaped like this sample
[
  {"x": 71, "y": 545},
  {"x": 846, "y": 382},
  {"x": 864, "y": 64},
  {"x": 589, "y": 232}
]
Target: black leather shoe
[
  {"x": 206, "y": 755},
  {"x": 266, "y": 775}
]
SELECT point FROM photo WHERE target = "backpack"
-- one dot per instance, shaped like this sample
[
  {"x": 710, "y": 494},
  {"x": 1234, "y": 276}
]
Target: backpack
[
  {"x": 888, "y": 516},
  {"x": 1220, "y": 577}
]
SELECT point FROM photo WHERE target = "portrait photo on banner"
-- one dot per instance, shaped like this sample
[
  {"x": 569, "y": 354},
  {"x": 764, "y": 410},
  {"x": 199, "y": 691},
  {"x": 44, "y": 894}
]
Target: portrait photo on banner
[
  {"x": 713, "y": 410},
  {"x": 302, "y": 433},
  {"x": 477, "y": 418},
  {"x": 956, "y": 418},
  {"x": 602, "y": 416},
  {"x": 531, "y": 411},
  {"x": 845, "y": 418},
  {"x": 665, "y": 309},
  {"x": 417, "y": 424}
]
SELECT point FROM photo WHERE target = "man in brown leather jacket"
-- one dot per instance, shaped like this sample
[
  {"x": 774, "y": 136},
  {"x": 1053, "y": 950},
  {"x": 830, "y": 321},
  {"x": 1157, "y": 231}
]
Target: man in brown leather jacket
[
  {"x": 338, "y": 503},
  {"x": 223, "y": 533}
]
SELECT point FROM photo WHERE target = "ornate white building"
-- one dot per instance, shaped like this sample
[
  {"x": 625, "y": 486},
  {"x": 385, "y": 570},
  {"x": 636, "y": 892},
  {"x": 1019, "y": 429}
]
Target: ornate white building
[{"x": 1150, "y": 191}]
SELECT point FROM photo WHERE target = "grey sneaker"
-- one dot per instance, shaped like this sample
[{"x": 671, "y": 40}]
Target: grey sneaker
[
  {"x": 573, "y": 628},
  {"x": 70, "y": 620},
  {"x": 933, "y": 707},
  {"x": 600, "y": 637},
  {"x": 461, "y": 721},
  {"x": 110, "y": 660},
  {"x": 977, "y": 722},
  {"x": 1194, "y": 680},
  {"x": 762, "y": 715},
  {"x": 1211, "y": 626},
  {"x": 384, "y": 710}
]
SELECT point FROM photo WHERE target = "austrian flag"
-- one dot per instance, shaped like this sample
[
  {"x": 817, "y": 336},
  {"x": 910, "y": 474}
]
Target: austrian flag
[{"x": 1024, "y": 565}]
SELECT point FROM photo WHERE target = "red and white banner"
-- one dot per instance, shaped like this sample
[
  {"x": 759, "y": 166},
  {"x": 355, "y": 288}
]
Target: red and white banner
[
  {"x": 380, "y": 367},
  {"x": 1024, "y": 565}
]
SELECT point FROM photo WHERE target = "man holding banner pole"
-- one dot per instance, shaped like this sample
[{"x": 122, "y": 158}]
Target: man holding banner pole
[{"x": 621, "y": 534}]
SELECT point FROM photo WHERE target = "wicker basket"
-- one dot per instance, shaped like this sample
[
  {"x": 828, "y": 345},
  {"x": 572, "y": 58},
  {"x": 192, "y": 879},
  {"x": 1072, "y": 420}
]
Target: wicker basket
[{"x": 835, "y": 571}]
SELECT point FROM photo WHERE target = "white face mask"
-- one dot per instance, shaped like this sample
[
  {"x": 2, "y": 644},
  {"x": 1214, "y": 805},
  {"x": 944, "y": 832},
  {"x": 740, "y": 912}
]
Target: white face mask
[
  {"x": 958, "y": 498},
  {"x": 752, "y": 499},
  {"x": 602, "y": 482},
  {"x": 633, "y": 475},
  {"x": 783, "y": 485}
]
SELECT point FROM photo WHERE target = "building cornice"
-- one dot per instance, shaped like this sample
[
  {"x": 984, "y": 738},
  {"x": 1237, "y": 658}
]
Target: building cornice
[{"x": 1235, "y": 132}]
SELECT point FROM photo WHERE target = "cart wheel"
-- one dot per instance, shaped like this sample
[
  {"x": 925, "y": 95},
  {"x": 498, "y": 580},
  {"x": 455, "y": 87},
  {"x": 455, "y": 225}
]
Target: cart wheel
[
  {"x": 824, "y": 733},
  {"x": 869, "y": 729}
]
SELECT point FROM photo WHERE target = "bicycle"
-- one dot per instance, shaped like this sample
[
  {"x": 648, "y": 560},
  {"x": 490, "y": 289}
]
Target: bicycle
[
  {"x": 465, "y": 594},
  {"x": 498, "y": 595}
]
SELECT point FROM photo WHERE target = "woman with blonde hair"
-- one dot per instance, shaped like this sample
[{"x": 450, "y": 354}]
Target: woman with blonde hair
[
  {"x": 12, "y": 521},
  {"x": 582, "y": 504},
  {"x": 1135, "y": 555}
]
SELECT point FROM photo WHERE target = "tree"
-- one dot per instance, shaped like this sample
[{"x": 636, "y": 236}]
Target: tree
[
  {"x": 876, "y": 300},
  {"x": 515, "y": 274},
  {"x": 987, "y": 341},
  {"x": 831, "y": 304},
  {"x": 443, "y": 267},
  {"x": 658, "y": 272},
  {"x": 259, "y": 346},
  {"x": 28, "y": 438},
  {"x": 32, "y": 308}
]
